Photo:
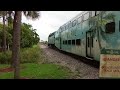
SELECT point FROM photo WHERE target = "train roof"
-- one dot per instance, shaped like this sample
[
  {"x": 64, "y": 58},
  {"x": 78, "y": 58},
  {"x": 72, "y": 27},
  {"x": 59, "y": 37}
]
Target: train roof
[
  {"x": 77, "y": 16},
  {"x": 51, "y": 34}
]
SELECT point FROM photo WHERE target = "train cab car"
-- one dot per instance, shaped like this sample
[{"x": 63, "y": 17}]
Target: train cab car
[{"x": 51, "y": 39}]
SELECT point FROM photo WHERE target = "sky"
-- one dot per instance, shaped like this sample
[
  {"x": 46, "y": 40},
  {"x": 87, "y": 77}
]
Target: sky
[{"x": 50, "y": 21}]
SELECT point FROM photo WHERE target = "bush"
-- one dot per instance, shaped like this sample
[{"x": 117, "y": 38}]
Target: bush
[
  {"x": 27, "y": 55},
  {"x": 30, "y": 55},
  {"x": 5, "y": 58}
]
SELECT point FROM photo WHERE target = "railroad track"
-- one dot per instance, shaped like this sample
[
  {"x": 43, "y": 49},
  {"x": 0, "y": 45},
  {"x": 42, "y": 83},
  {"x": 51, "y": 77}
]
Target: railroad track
[{"x": 86, "y": 60}]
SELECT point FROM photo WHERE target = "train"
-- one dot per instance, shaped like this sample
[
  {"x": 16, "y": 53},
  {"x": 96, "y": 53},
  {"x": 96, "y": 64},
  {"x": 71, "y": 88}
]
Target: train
[{"x": 88, "y": 33}]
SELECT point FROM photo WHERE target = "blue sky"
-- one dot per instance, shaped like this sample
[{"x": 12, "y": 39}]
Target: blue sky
[{"x": 50, "y": 21}]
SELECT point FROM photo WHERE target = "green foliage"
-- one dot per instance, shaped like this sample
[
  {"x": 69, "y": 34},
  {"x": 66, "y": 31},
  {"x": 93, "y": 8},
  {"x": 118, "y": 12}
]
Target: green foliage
[
  {"x": 32, "y": 14},
  {"x": 28, "y": 55},
  {"x": 4, "y": 65},
  {"x": 40, "y": 71},
  {"x": 5, "y": 58},
  {"x": 29, "y": 37}
]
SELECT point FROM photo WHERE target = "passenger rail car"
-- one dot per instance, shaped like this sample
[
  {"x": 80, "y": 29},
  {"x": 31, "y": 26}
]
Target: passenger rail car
[
  {"x": 51, "y": 39},
  {"x": 88, "y": 33}
]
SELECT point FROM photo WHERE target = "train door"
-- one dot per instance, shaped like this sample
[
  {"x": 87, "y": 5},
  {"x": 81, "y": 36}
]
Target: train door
[{"x": 89, "y": 44}]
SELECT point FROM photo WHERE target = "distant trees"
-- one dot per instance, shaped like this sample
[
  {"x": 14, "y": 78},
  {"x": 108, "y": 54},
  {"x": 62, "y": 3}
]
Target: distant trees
[
  {"x": 29, "y": 37},
  {"x": 4, "y": 14}
]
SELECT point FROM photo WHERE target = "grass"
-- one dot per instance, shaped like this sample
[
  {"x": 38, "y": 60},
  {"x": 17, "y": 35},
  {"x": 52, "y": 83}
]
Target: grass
[
  {"x": 39, "y": 71},
  {"x": 4, "y": 65}
]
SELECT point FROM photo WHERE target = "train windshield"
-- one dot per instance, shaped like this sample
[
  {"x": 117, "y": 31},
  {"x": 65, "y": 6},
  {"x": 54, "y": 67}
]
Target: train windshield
[{"x": 110, "y": 27}]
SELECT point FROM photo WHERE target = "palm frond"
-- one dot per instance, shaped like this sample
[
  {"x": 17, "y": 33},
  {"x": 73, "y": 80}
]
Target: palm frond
[{"x": 32, "y": 14}]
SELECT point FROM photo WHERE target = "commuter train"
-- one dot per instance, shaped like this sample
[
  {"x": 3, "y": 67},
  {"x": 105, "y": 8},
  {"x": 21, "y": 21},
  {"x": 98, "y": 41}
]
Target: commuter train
[{"x": 88, "y": 34}]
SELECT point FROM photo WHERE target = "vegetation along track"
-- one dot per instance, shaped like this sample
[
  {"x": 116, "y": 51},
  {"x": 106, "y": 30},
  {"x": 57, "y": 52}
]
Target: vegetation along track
[{"x": 77, "y": 65}]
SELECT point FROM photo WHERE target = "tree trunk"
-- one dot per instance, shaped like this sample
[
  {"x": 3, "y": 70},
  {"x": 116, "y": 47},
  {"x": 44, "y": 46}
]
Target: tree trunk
[
  {"x": 4, "y": 33},
  {"x": 9, "y": 17},
  {"x": 16, "y": 44},
  {"x": 9, "y": 22}
]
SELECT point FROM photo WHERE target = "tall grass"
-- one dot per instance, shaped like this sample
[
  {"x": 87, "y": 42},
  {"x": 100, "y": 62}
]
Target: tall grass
[
  {"x": 27, "y": 55},
  {"x": 5, "y": 58},
  {"x": 30, "y": 55}
]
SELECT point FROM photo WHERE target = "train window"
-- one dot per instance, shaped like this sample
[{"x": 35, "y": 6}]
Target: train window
[
  {"x": 65, "y": 41},
  {"x": 64, "y": 27},
  {"x": 119, "y": 25},
  {"x": 86, "y": 16},
  {"x": 70, "y": 25},
  {"x": 92, "y": 41},
  {"x": 69, "y": 42},
  {"x": 93, "y": 13},
  {"x": 61, "y": 29},
  {"x": 90, "y": 13},
  {"x": 88, "y": 42},
  {"x": 74, "y": 23},
  {"x": 67, "y": 26},
  {"x": 79, "y": 20},
  {"x": 98, "y": 12},
  {"x": 78, "y": 42},
  {"x": 73, "y": 42},
  {"x": 110, "y": 27}
]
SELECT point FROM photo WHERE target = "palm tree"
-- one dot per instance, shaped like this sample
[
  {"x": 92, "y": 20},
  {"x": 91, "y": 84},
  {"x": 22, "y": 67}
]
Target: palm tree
[
  {"x": 16, "y": 38},
  {"x": 16, "y": 43},
  {"x": 10, "y": 15}
]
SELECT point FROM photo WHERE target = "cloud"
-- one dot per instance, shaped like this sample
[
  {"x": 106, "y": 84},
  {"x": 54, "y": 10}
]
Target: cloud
[{"x": 50, "y": 21}]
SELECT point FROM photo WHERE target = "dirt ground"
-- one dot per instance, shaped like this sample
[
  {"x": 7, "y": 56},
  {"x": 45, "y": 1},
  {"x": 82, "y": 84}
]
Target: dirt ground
[{"x": 84, "y": 71}]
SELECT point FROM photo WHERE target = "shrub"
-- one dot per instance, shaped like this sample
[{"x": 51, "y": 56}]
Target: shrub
[
  {"x": 27, "y": 55},
  {"x": 30, "y": 55},
  {"x": 5, "y": 58}
]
